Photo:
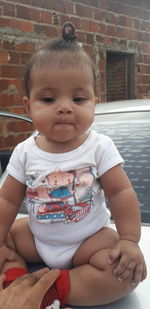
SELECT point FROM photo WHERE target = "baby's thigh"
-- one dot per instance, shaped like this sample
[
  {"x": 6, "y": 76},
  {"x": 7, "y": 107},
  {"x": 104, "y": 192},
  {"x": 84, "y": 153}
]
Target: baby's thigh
[
  {"x": 24, "y": 240},
  {"x": 103, "y": 239}
]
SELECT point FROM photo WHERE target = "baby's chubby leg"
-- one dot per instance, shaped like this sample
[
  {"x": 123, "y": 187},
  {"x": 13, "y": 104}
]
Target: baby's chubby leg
[
  {"x": 92, "y": 278},
  {"x": 24, "y": 241},
  {"x": 21, "y": 241},
  {"x": 103, "y": 239}
]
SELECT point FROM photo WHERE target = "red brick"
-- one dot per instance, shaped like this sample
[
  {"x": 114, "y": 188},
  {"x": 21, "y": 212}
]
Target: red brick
[
  {"x": 111, "y": 30},
  {"x": 1, "y": 127},
  {"x": 2, "y": 142},
  {"x": 21, "y": 25},
  {"x": 116, "y": 7},
  {"x": 81, "y": 37},
  {"x": 3, "y": 57},
  {"x": 35, "y": 15},
  {"x": 84, "y": 11},
  {"x": 7, "y": 141},
  {"x": 17, "y": 110},
  {"x": 122, "y": 20},
  {"x": 102, "y": 28},
  {"x": 94, "y": 26},
  {"x": 22, "y": 12},
  {"x": 30, "y": 47},
  {"x": 146, "y": 59},
  {"x": 14, "y": 58},
  {"x": 21, "y": 47},
  {"x": 18, "y": 84},
  {"x": 38, "y": 3},
  {"x": 98, "y": 14},
  {"x": 11, "y": 71},
  {"x": 8, "y": 9},
  {"x": 145, "y": 69},
  {"x": 46, "y": 17},
  {"x": 27, "y": 2},
  {"x": 137, "y": 24},
  {"x": 145, "y": 26},
  {"x": 99, "y": 38},
  {"x": 51, "y": 32},
  {"x": 19, "y": 126},
  {"x": 107, "y": 40},
  {"x": 4, "y": 22},
  {"x": 27, "y": 26},
  {"x": 94, "y": 3},
  {"x": 41, "y": 29},
  {"x": 4, "y": 83},
  {"x": 89, "y": 38},
  {"x": 87, "y": 2},
  {"x": 49, "y": 4},
  {"x": 18, "y": 99},
  {"x": 15, "y": 23},
  {"x": 145, "y": 79},
  {"x": 7, "y": 100},
  {"x": 69, "y": 7},
  {"x": 143, "y": 89},
  {"x": 85, "y": 25},
  {"x": 102, "y": 4},
  {"x": 102, "y": 66},
  {"x": 59, "y": 6}
]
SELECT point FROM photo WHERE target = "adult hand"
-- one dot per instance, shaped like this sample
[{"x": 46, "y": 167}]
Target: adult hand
[
  {"x": 130, "y": 261},
  {"x": 27, "y": 291}
]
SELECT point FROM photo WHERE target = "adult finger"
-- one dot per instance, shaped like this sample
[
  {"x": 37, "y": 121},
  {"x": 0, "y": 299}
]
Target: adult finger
[
  {"x": 29, "y": 280},
  {"x": 44, "y": 283},
  {"x": 2, "y": 279}
]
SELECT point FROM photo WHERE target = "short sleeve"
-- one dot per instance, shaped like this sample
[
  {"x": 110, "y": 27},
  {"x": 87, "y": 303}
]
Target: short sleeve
[
  {"x": 15, "y": 167},
  {"x": 109, "y": 156}
]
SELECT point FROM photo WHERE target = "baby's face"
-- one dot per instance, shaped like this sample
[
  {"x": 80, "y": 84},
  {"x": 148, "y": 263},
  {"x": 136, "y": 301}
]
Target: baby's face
[{"x": 62, "y": 104}]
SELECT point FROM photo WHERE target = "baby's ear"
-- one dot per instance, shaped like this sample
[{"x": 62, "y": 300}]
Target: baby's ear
[{"x": 26, "y": 103}]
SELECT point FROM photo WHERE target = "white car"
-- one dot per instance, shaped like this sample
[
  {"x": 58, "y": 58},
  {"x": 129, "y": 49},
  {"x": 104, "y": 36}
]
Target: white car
[{"x": 128, "y": 123}]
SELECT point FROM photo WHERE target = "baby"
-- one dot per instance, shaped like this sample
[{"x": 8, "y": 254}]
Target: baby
[{"x": 65, "y": 173}]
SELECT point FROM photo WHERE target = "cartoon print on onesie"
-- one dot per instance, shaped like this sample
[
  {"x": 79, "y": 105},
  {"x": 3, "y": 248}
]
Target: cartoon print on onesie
[{"x": 61, "y": 196}]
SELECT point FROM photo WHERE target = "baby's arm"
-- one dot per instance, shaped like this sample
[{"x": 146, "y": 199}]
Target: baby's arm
[
  {"x": 126, "y": 214},
  {"x": 11, "y": 196}
]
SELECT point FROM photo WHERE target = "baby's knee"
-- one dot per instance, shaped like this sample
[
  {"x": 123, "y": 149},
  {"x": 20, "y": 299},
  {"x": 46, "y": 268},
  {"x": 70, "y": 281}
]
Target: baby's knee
[{"x": 99, "y": 260}]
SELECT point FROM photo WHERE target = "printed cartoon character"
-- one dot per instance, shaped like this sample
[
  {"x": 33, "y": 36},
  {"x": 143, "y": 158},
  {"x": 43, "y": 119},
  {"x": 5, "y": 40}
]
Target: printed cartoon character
[{"x": 67, "y": 196}]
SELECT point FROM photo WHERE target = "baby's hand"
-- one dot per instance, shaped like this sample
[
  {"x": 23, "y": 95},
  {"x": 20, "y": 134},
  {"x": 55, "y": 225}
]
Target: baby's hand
[
  {"x": 130, "y": 260},
  {"x": 6, "y": 254}
]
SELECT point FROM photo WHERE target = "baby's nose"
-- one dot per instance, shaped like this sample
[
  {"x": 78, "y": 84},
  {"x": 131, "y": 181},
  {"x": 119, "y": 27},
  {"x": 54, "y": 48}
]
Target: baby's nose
[{"x": 64, "y": 108}]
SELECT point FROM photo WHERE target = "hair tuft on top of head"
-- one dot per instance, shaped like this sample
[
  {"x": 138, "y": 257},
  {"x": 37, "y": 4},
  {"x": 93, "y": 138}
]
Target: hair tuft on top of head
[{"x": 69, "y": 32}]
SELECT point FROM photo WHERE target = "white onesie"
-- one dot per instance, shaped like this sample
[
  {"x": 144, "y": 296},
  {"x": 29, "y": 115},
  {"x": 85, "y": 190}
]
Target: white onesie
[{"x": 64, "y": 199}]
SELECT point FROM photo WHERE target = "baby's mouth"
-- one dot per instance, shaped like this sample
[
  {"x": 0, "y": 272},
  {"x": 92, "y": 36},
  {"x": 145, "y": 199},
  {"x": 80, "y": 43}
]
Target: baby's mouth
[{"x": 63, "y": 124}]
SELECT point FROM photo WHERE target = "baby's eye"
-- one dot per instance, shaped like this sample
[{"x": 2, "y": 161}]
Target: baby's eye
[
  {"x": 48, "y": 100},
  {"x": 79, "y": 99}
]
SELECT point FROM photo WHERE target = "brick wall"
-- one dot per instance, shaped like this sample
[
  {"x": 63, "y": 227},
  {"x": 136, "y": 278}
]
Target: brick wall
[{"x": 102, "y": 25}]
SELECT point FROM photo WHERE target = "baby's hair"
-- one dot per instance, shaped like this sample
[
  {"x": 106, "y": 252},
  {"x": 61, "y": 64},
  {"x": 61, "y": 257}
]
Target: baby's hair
[{"x": 59, "y": 52}]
